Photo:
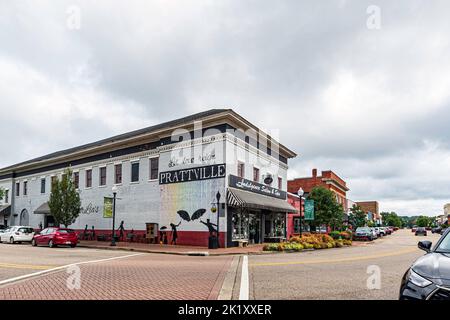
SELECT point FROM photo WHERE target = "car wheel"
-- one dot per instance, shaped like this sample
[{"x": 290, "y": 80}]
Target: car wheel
[
  {"x": 11, "y": 240},
  {"x": 33, "y": 243},
  {"x": 51, "y": 244}
]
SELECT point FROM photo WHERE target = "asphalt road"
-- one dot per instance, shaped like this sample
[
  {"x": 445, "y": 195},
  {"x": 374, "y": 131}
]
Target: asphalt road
[{"x": 341, "y": 273}]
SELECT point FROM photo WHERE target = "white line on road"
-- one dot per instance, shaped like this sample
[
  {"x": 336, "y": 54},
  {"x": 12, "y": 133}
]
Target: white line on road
[
  {"x": 3, "y": 282},
  {"x": 243, "y": 293}
]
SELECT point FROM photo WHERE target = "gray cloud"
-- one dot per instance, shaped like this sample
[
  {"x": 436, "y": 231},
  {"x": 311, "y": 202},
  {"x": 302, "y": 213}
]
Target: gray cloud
[{"x": 371, "y": 105}]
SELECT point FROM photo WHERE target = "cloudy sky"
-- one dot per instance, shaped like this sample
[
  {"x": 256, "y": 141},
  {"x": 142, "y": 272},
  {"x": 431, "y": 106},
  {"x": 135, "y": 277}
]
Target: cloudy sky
[{"x": 361, "y": 90}]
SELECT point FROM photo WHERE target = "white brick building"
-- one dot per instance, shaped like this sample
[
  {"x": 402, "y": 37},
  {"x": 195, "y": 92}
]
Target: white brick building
[{"x": 160, "y": 170}]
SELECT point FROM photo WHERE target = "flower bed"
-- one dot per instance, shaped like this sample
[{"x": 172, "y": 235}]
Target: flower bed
[{"x": 309, "y": 241}]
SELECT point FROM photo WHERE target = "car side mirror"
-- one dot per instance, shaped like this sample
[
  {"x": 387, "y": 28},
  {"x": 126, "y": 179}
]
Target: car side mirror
[{"x": 425, "y": 245}]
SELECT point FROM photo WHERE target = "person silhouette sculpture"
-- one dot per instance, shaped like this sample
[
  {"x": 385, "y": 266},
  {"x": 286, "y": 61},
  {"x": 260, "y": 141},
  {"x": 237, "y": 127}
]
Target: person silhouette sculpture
[
  {"x": 174, "y": 232},
  {"x": 85, "y": 234},
  {"x": 40, "y": 226},
  {"x": 210, "y": 225},
  {"x": 93, "y": 233},
  {"x": 121, "y": 229}
]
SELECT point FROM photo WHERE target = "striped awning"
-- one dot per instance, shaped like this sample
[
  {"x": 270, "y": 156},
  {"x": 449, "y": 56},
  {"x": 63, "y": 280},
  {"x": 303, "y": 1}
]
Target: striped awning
[{"x": 246, "y": 199}]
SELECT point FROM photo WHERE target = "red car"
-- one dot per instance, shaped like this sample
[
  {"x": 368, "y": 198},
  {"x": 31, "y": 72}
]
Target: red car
[{"x": 53, "y": 237}]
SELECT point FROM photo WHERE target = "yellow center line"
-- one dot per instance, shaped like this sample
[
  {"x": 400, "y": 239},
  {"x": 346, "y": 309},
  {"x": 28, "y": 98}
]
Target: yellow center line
[
  {"x": 375, "y": 256},
  {"x": 24, "y": 266}
]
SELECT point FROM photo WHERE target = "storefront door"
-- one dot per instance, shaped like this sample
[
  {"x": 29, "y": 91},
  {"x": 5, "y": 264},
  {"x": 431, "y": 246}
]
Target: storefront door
[{"x": 254, "y": 228}]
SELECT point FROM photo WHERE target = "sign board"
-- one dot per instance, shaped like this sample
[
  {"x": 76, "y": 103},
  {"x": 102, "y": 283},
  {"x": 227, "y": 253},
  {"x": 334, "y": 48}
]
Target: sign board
[
  {"x": 107, "y": 207},
  {"x": 214, "y": 171},
  {"x": 247, "y": 185},
  {"x": 309, "y": 209}
]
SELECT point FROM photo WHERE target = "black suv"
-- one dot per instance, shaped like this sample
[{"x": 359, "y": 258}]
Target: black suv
[{"x": 429, "y": 276}]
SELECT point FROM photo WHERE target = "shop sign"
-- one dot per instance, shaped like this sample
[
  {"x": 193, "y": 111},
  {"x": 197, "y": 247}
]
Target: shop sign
[
  {"x": 107, "y": 207},
  {"x": 214, "y": 171},
  {"x": 247, "y": 185},
  {"x": 309, "y": 209}
]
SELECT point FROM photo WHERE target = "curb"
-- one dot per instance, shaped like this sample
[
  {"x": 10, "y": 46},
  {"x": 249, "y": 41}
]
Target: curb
[{"x": 190, "y": 253}]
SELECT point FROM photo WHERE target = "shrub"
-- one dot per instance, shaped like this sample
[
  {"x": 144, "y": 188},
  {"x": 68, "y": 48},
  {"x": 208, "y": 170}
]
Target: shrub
[
  {"x": 339, "y": 243},
  {"x": 335, "y": 234},
  {"x": 347, "y": 242}
]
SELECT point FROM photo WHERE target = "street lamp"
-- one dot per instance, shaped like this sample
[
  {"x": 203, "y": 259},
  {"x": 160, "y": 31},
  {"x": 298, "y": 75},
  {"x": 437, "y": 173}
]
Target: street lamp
[
  {"x": 113, "y": 238},
  {"x": 218, "y": 214},
  {"x": 300, "y": 193}
]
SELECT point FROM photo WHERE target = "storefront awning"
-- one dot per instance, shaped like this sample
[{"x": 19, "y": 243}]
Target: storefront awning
[
  {"x": 240, "y": 198},
  {"x": 5, "y": 209},
  {"x": 43, "y": 209}
]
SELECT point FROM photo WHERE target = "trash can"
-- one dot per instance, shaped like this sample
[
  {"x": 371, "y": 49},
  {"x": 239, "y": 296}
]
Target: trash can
[{"x": 212, "y": 242}]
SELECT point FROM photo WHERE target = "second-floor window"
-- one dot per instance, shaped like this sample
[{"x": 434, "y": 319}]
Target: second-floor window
[
  {"x": 25, "y": 188},
  {"x": 256, "y": 174},
  {"x": 17, "y": 189},
  {"x": 135, "y": 172},
  {"x": 240, "y": 170},
  {"x": 154, "y": 168},
  {"x": 280, "y": 183},
  {"x": 76, "y": 179},
  {"x": 88, "y": 178},
  {"x": 43, "y": 185},
  {"x": 103, "y": 176},
  {"x": 118, "y": 173}
]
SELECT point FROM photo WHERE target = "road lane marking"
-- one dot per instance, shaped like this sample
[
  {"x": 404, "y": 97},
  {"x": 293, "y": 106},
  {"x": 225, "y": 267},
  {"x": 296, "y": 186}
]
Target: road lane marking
[
  {"x": 243, "y": 293},
  {"x": 24, "y": 266},
  {"x": 376, "y": 256},
  {"x": 35, "y": 274}
]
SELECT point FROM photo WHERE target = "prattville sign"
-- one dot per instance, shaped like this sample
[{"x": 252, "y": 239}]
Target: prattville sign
[
  {"x": 247, "y": 185},
  {"x": 214, "y": 171}
]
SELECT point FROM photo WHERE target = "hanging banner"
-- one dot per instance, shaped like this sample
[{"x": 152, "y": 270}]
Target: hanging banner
[
  {"x": 107, "y": 207},
  {"x": 309, "y": 209}
]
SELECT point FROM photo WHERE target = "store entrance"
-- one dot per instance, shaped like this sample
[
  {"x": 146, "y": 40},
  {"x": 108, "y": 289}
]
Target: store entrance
[
  {"x": 254, "y": 227},
  {"x": 49, "y": 221}
]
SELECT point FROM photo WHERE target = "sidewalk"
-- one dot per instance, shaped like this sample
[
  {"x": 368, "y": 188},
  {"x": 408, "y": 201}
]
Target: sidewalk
[{"x": 172, "y": 249}]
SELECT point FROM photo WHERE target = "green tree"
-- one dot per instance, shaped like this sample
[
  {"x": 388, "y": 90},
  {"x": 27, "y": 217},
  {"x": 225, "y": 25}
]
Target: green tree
[
  {"x": 326, "y": 209},
  {"x": 2, "y": 193},
  {"x": 357, "y": 218},
  {"x": 64, "y": 200},
  {"x": 423, "y": 221},
  {"x": 391, "y": 219}
]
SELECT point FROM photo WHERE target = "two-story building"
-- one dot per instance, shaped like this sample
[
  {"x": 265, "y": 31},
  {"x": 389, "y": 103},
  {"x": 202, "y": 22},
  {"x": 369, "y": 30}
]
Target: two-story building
[{"x": 166, "y": 174}]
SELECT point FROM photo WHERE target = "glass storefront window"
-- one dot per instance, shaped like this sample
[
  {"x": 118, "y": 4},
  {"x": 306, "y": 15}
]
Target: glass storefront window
[{"x": 240, "y": 225}]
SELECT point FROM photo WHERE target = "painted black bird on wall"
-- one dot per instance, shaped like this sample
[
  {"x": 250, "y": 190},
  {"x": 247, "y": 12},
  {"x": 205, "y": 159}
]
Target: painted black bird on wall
[{"x": 196, "y": 215}]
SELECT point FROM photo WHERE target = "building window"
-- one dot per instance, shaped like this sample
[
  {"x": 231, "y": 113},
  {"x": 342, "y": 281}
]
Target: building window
[
  {"x": 118, "y": 173},
  {"x": 135, "y": 172},
  {"x": 280, "y": 183},
  {"x": 88, "y": 178},
  {"x": 25, "y": 188},
  {"x": 240, "y": 170},
  {"x": 43, "y": 185},
  {"x": 76, "y": 179},
  {"x": 103, "y": 176},
  {"x": 17, "y": 189},
  {"x": 154, "y": 168},
  {"x": 6, "y": 196},
  {"x": 255, "y": 174}
]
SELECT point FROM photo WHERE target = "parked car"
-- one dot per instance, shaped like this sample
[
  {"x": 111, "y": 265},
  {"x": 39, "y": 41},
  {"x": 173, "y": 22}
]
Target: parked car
[
  {"x": 395, "y": 228},
  {"x": 436, "y": 230},
  {"x": 363, "y": 233},
  {"x": 374, "y": 233},
  {"x": 429, "y": 276},
  {"x": 53, "y": 237},
  {"x": 413, "y": 229},
  {"x": 17, "y": 234},
  {"x": 382, "y": 231},
  {"x": 377, "y": 230},
  {"x": 421, "y": 231}
]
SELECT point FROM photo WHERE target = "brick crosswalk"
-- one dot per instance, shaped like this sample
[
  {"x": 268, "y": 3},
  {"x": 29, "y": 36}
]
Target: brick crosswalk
[{"x": 149, "y": 276}]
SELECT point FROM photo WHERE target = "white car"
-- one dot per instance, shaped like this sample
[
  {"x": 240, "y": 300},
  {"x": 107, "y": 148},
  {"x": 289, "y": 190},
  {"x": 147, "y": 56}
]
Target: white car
[{"x": 17, "y": 234}]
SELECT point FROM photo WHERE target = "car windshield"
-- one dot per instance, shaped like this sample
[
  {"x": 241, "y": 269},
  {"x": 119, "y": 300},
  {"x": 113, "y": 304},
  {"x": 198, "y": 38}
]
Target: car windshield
[
  {"x": 362, "y": 230},
  {"x": 26, "y": 230},
  {"x": 444, "y": 246}
]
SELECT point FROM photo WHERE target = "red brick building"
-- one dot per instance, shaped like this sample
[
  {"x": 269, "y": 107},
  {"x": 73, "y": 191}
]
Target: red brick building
[{"x": 328, "y": 179}]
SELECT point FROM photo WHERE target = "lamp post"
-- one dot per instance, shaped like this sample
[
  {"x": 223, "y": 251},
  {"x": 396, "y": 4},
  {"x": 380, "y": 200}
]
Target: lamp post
[
  {"x": 113, "y": 238},
  {"x": 218, "y": 215},
  {"x": 300, "y": 193}
]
